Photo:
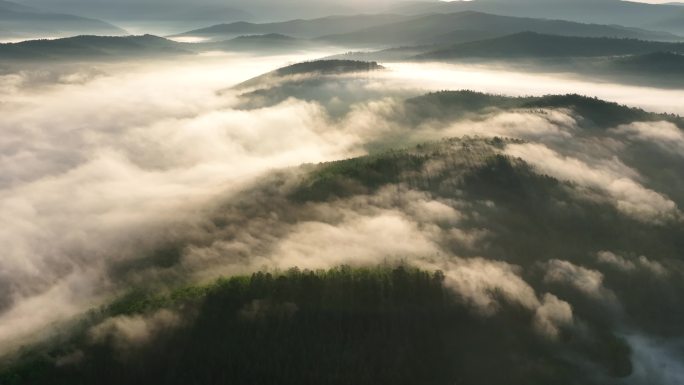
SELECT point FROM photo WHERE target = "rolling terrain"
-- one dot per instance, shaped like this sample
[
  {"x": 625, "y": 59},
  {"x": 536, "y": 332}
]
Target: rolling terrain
[{"x": 394, "y": 30}]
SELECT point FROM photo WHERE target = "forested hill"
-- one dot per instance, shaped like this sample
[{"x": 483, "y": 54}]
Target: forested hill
[
  {"x": 298, "y": 28},
  {"x": 315, "y": 68},
  {"x": 384, "y": 325},
  {"x": 328, "y": 67}
]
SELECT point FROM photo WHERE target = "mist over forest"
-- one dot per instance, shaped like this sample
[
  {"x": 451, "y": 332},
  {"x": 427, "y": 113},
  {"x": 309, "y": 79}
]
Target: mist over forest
[{"x": 480, "y": 192}]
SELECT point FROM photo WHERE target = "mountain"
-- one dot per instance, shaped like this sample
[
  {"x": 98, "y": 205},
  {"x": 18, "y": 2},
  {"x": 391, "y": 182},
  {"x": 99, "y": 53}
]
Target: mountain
[
  {"x": 91, "y": 47},
  {"x": 660, "y": 17},
  {"x": 470, "y": 26},
  {"x": 318, "y": 67},
  {"x": 535, "y": 45},
  {"x": 272, "y": 42},
  {"x": 21, "y": 21},
  {"x": 296, "y": 28}
]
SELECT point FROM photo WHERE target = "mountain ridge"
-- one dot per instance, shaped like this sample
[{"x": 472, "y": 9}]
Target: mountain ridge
[
  {"x": 424, "y": 29},
  {"x": 532, "y": 44}
]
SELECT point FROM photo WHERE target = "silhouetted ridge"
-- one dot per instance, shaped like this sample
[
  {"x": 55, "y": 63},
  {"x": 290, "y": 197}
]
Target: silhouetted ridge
[
  {"x": 268, "y": 36},
  {"x": 83, "y": 47},
  {"x": 318, "y": 67},
  {"x": 473, "y": 26},
  {"x": 298, "y": 28},
  {"x": 531, "y": 44},
  {"x": 329, "y": 67}
]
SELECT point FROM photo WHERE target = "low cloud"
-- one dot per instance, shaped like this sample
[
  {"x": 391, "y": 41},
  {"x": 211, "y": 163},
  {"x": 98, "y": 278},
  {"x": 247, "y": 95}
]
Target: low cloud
[
  {"x": 664, "y": 134},
  {"x": 587, "y": 281},
  {"x": 533, "y": 125},
  {"x": 483, "y": 283},
  {"x": 631, "y": 264},
  {"x": 363, "y": 240},
  {"x": 503, "y": 81},
  {"x": 609, "y": 258},
  {"x": 628, "y": 195},
  {"x": 553, "y": 315},
  {"x": 394, "y": 225},
  {"x": 94, "y": 174}
]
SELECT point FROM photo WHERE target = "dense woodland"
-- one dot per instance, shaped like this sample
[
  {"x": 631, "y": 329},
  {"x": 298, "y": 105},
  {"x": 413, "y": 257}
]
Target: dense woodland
[{"x": 367, "y": 326}]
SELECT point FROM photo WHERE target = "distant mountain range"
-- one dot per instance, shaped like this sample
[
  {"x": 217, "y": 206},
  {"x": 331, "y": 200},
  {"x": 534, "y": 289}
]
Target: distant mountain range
[
  {"x": 120, "y": 47},
  {"x": 469, "y": 26},
  {"x": 297, "y": 28},
  {"x": 19, "y": 21},
  {"x": 176, "y": 15},
  {"x": 267, "y": 43},
  {"x": 663, "y": 17},
  {"x": 394, "y": 30},
  {"x": 565, "y": 46}
]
